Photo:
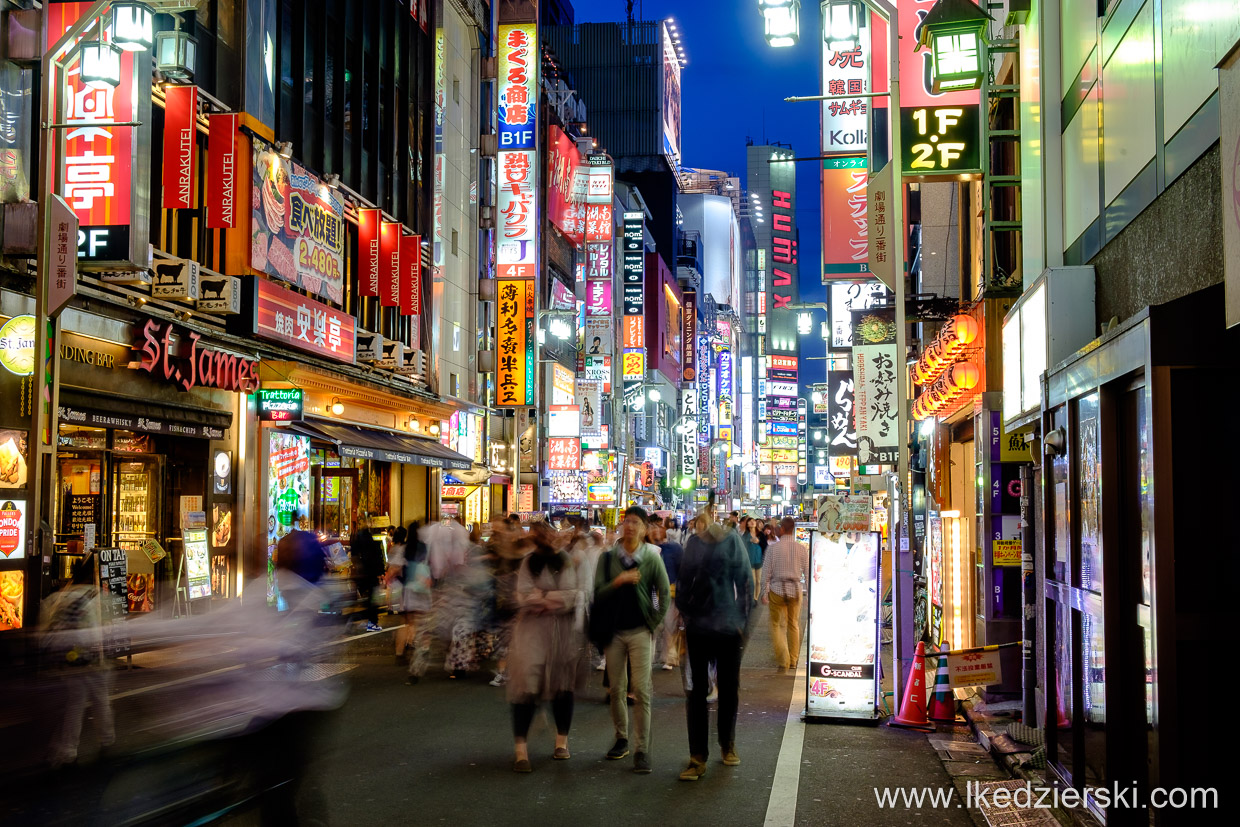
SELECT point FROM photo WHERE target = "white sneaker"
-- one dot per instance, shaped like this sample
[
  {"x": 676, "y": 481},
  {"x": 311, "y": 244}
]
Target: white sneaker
[
  {"x": 499, "y": 680},
  {"x": 601, "y": 666},
  {"x": 668, "y": 667}
]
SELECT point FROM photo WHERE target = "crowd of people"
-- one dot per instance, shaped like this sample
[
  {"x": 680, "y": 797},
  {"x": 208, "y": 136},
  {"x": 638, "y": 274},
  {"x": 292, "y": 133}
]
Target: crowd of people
[{"x": 547, "y": 604}]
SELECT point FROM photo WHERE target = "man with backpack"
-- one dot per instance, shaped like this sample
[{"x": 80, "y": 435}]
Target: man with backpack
[
  {"x": 713, "y": 595},
  {"x": 630, "y": 599}
]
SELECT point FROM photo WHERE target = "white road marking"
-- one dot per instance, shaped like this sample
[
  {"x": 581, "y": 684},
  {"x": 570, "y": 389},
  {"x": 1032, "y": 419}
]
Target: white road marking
[{"x": 781, "y": 808}]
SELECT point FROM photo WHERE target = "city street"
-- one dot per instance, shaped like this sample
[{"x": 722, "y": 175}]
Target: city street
[{"x": 440, "y": 752}]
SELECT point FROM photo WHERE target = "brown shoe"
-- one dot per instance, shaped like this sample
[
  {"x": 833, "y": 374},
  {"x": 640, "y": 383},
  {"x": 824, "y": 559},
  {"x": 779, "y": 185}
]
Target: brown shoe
[
  {"x": 522, "y": 765},
  {"x": 730, "y": 758},
  {"x": 695, "y": 770},
  {"x": 561, "y": 754}
]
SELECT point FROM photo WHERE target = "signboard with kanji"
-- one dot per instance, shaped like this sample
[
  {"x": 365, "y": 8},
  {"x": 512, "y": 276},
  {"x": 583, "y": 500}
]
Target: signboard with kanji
[
  {"x": 514, "y": 343},
  {"x": 285, "y": 316}
]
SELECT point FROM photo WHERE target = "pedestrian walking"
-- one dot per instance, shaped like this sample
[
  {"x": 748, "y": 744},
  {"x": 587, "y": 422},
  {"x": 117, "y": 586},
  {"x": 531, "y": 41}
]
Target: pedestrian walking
[
  {"x": 669, "y": 636},
  {"x": 72, "y": 645},
  {"x": 366, "y": 556},
  {"x": 784, "y": 568},
  {"x": 713, "y": 597},
  {"x": 755, "y": 546},
  {"x": 407, "y": 565},
  {"x": 546, "y": 656},
  {"x": 630, "y": 595}
]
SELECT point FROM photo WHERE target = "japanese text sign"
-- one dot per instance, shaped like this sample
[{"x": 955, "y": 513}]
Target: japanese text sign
[
  {"x": 565, "y": 185},
  {"x": 62, "y": 230},
  {"x": 845, "y": 122},
  {"x": 877, "y": 406},
  {"x": 517, "y": 78},
  {"x": 940, "y": 140},
  {"x": 285, "y": 316},
  {"x": 516, "y": 236},
  {"x": 514, "y": 342},
  {"x": 845, "y": 231},
  {"x": 297, "y": 226},
  {"x": 563, "y": 454}
]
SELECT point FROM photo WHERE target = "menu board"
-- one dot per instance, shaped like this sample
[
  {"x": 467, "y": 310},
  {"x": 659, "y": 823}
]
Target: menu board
[
  {"x": 197, "y": 563},
  {"x": 843, "y": 625},
  {"x": 79, "y": 511},
  {"x": 114, "y": 585}
]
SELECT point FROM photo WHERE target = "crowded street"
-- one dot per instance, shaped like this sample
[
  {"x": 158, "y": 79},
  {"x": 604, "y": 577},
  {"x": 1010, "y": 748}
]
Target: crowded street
[{"x": 742, "y": 412}]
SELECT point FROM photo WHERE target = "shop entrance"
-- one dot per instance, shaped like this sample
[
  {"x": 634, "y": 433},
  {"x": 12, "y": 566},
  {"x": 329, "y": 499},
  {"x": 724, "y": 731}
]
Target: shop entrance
[{"x": 334, "y": 504}]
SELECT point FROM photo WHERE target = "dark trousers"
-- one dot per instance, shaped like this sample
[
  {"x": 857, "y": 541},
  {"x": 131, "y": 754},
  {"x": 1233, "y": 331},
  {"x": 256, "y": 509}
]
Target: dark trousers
[
  {"x": 724, "y": 651},
  {"x": 366, "y": 591},
  {"x": 561, "y": 710}
]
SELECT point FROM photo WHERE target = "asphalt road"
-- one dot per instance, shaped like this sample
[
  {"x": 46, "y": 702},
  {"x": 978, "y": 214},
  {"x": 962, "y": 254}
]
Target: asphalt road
[{"x": 440, "y": 752}]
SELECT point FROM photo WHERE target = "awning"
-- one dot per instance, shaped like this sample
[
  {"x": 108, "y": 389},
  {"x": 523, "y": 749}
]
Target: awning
[
  {"x": 79, "y": 406},
  {"x": 386, "y": 446}
]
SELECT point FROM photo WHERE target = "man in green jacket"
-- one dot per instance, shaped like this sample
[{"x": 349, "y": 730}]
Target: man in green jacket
[{"x": 630, "y": 584}]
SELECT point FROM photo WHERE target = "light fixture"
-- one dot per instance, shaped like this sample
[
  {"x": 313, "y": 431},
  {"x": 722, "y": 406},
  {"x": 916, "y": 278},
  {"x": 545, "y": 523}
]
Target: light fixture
[
  {"x": 559, "y": 328},
  {"x": 817, "y": 434},
  {"x": 654, "y": 395},
  {"x": 781, "y": 21},
  {"x": 99, "y": 64},
  {"x": 948, "y": 515},
  {"x": 285, "y": 149},
  {"x": 176, "y": 53},
  {"x": 955, "y": 31},
  {"x": 816, "y": 396},
  {"x": 415, "y": 425},
  {"x": 841, "y": 27},
  {"x": 927, "y": 426},
  {"x": 337, "y": 406},
  {"x": 332, "y": 180},
  {"x": 434, "y": 429},
  {"x": 133, "y": 25}
]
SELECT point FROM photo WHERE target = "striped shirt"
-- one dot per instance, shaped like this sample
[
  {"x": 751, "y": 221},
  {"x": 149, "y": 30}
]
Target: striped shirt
[{"x": 786, "y": 562}]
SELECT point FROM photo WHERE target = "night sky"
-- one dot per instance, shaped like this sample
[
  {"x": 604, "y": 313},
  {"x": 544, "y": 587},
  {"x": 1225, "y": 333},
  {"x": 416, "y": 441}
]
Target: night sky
[{"x": 734, "y": 87}]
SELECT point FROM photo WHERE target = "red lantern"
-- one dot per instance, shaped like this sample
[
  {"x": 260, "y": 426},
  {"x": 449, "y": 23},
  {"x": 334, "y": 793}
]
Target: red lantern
[
  {"x": 965, "y": 376},
  {"x": 964, "y": 329}
]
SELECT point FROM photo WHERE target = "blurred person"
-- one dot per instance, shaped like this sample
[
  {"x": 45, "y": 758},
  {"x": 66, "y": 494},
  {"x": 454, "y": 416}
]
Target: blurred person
[
  {"x": 668, "y": 636},
  {"x": 407, "y": 565},
  {"x": 631, "y": 588},
  {"x": 505, "y": 551},
  {"x": 713, "y": 596},
  {"x": 72, "y": 642},
  {"x": 784, "y": 568},
  {"x": 366, "y": 555},
  {"x": 545, "y": 659},
  {"x": 468, "y": 590},
  {"x": 447, "y": 545},
  {"x": 754, "y": 546}
]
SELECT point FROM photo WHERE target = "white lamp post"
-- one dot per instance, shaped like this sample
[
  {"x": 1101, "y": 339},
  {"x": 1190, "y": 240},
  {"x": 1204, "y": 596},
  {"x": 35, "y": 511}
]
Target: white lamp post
[{"x": 781, "y": 21}]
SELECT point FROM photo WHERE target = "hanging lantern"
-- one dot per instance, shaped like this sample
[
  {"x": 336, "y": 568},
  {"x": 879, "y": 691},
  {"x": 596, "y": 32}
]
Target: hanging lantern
[
  {"x": 841, "y": 25},
  {"x": 133, "y": 25},
  {"x": 99, "y": 64},
  {"x": 781, "y": 21},
  {"x": 965, "y": 328},
  {"x": 176, "y": 54},
  {"x": 965, "y": 376},
  {"x": 955, "y": 31}
]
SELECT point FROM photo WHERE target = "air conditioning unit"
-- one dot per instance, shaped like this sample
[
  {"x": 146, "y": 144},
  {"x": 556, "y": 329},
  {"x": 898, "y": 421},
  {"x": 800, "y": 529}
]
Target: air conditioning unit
[
  {"x": 488, "y": 145},
  {"x": 489, "y": 68},
  {"x": 486, "y": 361},
  {"x": 487, "y": 289},
  {"x": 486, "y": 217}
]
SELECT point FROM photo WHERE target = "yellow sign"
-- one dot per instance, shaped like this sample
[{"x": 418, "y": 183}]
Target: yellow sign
[
  {"x": 634, "y": 364},
  {"x": 17, "y": 345},
  {"x": 1006, "y": 552},
  {"x": 514, "y": 359}
]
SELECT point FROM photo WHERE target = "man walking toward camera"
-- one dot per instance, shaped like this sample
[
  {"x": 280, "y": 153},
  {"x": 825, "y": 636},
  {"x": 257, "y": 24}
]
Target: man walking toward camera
[
  {"x": 784, "y": 568},
  {"x": 631, "y": 590}
]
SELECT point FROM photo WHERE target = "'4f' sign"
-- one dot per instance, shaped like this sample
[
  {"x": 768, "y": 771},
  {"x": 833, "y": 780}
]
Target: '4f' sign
[{"x": 940, "y": 140}]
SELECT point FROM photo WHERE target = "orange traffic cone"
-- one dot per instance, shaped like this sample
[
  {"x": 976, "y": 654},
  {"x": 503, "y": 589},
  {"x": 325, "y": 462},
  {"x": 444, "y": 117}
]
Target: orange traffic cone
[
  {"x": 913, "y": 708},
  {"x": 943, "y": 702}
]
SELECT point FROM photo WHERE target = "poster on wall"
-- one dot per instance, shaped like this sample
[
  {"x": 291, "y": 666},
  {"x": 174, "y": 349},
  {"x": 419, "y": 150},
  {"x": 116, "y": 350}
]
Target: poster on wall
[
  {"x": 197, "y": 563},
  {"x": 288, "y": 490},
  {"x": 12, "y": 596},
  {"x": 843, "y": 625},
  {"x": 296, "y": 226},
  {"x": 671, "y": 99},
  {"x": 12, "y": 529},
  {"x": 874, "y": 385},
  {"x": 12, "y": 459}
]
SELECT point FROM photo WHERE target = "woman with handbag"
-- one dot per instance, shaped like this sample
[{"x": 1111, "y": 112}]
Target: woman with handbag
[{"x": 545, "y": 658}]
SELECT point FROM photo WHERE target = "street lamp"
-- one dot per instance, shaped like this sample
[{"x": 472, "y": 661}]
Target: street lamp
[
  {"x": 176, "y": 54},
  {"x": 956, "y": 32},
  {"x": 133, "y": 25},
  {"x": 99, "y": 64},
  {"x": 782, "y": 21},
  {"x": 841, "y": 29},
  {"x": 654, "y": 395}
]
